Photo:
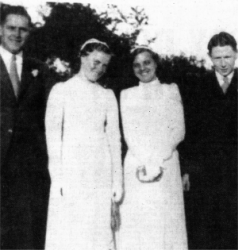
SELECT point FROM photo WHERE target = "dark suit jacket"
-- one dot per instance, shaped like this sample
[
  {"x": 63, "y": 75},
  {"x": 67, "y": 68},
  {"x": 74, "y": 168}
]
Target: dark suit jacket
[
  {"x": 211, "y": 126},
  {"x": 24, "y": 173},
  {"x": 209, "y": 155}
]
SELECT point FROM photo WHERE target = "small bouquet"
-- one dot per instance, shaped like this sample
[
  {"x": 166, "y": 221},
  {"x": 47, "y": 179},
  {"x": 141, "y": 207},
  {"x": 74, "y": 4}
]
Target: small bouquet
[{"x": 115, "y": 216}]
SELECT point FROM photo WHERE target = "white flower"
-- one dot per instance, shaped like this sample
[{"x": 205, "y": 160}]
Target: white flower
[
  {"x": 35, "y": 72},
  {"x": 61, "y": 66}
]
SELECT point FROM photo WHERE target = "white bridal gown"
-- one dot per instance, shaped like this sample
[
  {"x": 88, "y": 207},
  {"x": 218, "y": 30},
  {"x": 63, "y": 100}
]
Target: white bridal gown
[
  {"x": 152, "y": 214},
  {"x": 84, "y": 152}
]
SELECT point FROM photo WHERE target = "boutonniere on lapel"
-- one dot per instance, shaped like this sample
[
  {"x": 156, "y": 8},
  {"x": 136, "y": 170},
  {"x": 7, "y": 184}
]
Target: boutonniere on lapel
[{"x": 35, "y": 72}]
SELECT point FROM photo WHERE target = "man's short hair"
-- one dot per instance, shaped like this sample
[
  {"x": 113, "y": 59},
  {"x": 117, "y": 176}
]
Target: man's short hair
[
  {"x": 222, "y": 39},
  {"x": 13, "y": 10}
]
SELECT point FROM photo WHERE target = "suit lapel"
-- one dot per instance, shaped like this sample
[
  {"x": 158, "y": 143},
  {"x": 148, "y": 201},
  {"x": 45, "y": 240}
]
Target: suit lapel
[
  {"x": 6, "y": 85},
  {"x": 234, "y": 84},
  {"x": 25, "y": 79},
  {"x": 215, "y": 88},
  {"x": 232, "y": 87}
]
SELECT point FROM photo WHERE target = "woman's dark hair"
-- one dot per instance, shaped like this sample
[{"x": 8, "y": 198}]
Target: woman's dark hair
[
  {"x": 90, "y": 47},
  {"x": 222, "y": 39},
  {"x": 138, "y": 51},
  {"x": 131, "y": 75}
]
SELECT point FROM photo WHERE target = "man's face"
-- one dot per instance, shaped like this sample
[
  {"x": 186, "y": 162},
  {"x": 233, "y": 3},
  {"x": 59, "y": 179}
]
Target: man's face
[
  {"x": 223, "y": 59},
  {"x": 14, "y": 33}
]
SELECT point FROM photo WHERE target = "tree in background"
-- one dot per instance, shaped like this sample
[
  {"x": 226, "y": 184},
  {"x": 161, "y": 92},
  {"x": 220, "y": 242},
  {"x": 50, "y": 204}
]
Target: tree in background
[{"x": 67, "y": 26}]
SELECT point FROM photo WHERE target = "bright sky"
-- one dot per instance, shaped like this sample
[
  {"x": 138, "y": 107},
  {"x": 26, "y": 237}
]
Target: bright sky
[{"x": 180, "y": 26}]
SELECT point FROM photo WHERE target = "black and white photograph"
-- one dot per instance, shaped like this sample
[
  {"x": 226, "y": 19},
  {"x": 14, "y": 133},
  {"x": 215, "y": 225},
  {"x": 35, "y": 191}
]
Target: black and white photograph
[{"x": 118, "y": 124}]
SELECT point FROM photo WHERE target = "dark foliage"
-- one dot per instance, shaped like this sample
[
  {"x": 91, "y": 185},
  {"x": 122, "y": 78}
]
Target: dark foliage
[{"x": 70, "y": 25}]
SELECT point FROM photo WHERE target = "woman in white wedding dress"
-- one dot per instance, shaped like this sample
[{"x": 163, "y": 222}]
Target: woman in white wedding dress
[
  {"x": 83, "y": 141},
  {"x": 152, "y": 213}
]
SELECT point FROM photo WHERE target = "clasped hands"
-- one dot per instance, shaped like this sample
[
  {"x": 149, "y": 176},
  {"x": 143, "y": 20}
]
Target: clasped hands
[{"x": 147, "y": 175}]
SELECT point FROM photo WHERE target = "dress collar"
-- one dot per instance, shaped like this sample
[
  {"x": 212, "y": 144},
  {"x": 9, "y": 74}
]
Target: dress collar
[
  {"x": 84, "y": 79},
  {"x": 151, "y": 89},
  {"x": 153, "y": 83}
]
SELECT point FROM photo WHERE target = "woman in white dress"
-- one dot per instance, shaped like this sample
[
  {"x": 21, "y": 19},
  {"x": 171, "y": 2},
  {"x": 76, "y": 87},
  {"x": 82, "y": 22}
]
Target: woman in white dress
[
  {"x": 152, "y": 213},
  {"x": 84, "y": 148}
]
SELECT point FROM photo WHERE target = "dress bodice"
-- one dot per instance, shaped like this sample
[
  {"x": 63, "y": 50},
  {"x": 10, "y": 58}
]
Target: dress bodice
[{"x": 152, "y": 116}]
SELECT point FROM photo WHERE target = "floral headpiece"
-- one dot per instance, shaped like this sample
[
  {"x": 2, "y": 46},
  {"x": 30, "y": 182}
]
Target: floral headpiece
[{"x": 93, "y": 40}]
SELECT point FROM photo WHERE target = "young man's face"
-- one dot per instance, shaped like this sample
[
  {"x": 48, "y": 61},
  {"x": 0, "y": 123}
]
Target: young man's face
[
  {"x": 14, "y": 33},
  {"x": 223, "y": 59}
]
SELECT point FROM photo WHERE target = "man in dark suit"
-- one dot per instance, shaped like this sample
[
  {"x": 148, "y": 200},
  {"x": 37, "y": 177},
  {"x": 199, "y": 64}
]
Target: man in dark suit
[
  {"x": 209, "y": 152},
  {"x": 24, "y": 175}
]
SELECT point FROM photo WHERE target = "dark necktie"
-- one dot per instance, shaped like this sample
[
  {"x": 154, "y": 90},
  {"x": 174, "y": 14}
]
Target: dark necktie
[
  {"x": 225, "y": 84},
  {"x": 14, "y": 75}
]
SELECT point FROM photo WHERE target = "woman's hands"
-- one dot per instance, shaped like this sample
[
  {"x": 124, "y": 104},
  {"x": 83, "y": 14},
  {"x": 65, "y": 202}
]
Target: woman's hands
[{"x": 151, "y": 174}]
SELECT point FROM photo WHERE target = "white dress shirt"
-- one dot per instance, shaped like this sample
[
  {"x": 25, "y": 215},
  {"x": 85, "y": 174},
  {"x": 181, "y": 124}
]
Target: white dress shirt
[
  {"x": 221, "y": 80},
  {"x": 7, "y": 57}
]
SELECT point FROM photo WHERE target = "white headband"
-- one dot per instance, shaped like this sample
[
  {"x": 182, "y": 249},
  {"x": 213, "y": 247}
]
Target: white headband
[
  {"x": 142, "y": 47},
  {"x": 93, "y": 40}
]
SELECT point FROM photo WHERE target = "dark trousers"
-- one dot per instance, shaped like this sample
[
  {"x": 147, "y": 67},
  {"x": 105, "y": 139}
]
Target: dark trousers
[
  {"x": 211, "y": 205},
  {"x": 24, "y": 204}
]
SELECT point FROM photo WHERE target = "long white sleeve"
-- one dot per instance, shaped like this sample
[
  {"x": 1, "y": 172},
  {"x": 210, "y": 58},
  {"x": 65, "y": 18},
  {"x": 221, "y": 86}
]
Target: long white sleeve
[
  {"x": 114, "y": 138},
  {"x": 176, "y": 117},
  {"x": 173, "y": 127},
  {"x": 54, "y": 132}
]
